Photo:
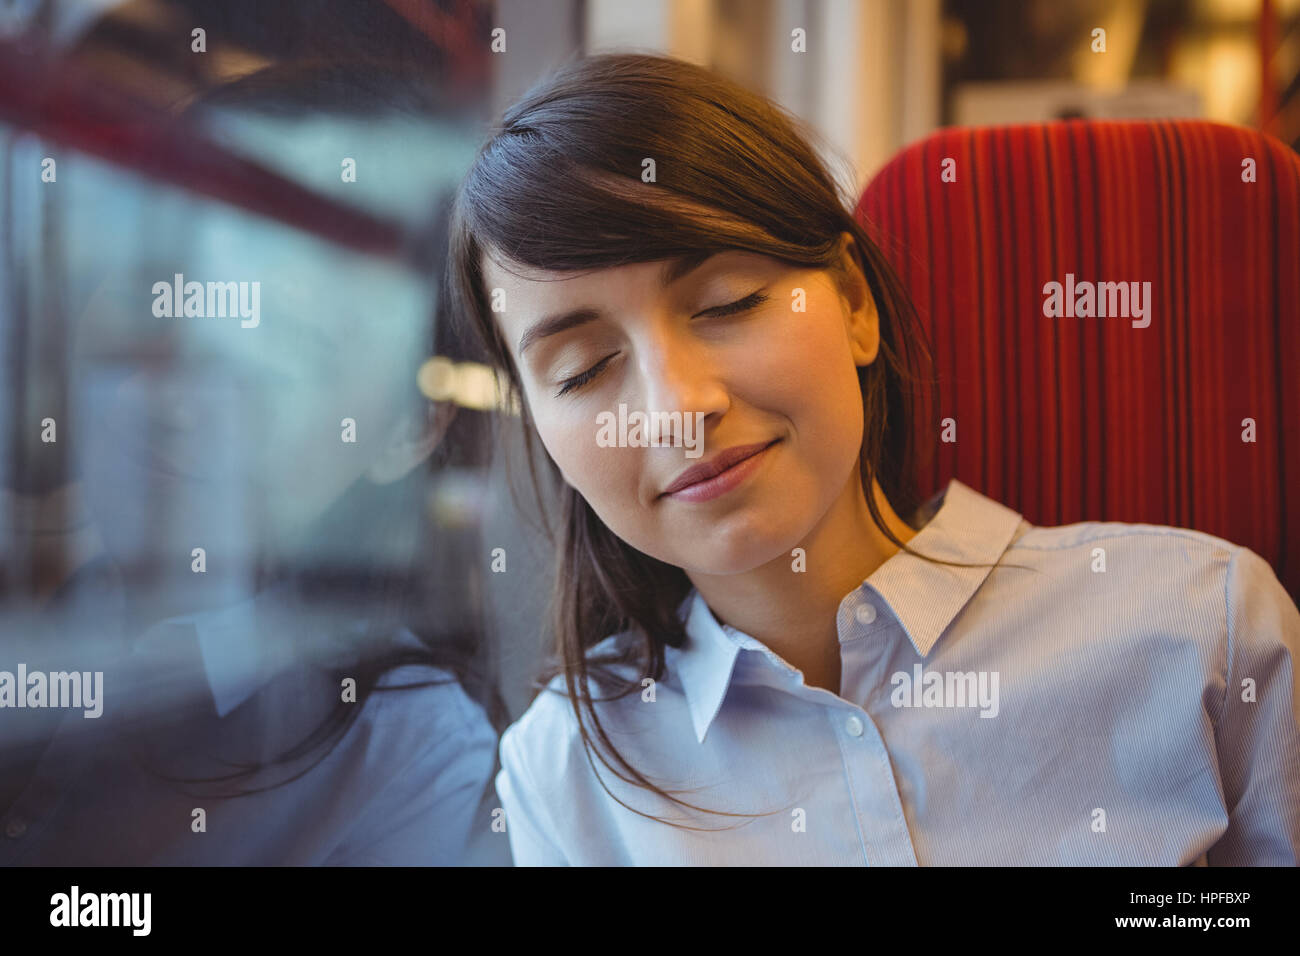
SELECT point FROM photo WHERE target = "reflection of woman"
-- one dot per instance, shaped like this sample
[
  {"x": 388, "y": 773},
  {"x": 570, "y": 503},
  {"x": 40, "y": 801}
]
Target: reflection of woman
[
  {"x": 299, "y": 691},
  {"x": 771, "y": 663}
]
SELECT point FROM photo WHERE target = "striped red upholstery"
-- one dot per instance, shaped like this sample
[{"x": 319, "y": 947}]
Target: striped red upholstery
[{"x": 1091, "y": 419}]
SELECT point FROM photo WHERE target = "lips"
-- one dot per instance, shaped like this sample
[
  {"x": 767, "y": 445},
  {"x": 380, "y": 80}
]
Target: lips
[{"x": 720, "y": 462}]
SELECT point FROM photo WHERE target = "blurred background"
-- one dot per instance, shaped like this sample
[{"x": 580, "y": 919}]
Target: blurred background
[{"x": 170, "y": 431}]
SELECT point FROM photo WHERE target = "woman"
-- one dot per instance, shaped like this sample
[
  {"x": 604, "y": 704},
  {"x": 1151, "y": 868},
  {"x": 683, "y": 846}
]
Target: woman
[{"x": 770, "y": 662}]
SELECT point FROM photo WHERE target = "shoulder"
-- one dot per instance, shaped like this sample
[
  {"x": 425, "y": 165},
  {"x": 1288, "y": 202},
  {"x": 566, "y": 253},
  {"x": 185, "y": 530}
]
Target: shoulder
[
  {"x": 1158, "y": 559},
  {"x": 545, "y": 742},
  {"x": 1261, "y": 616},
  {"x": 1160, "y": 564},
  {"x": 542, "y": 743},
  {"x": 427, "y": 706},
  {"x": 1129, "y": 537}
]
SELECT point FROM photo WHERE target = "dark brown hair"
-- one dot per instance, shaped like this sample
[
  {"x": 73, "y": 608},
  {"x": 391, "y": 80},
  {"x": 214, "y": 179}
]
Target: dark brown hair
[{"x": 558, "y": 187}]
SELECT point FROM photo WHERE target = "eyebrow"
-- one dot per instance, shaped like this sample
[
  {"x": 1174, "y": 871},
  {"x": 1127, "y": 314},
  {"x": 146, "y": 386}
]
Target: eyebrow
[{"x": 673, "y": 270}]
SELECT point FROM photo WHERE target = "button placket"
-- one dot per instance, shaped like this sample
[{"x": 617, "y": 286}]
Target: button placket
[{"x": 881, "y": 822}]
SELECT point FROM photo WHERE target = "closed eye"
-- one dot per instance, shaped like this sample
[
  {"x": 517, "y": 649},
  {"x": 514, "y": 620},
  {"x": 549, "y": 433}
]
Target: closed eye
[
  {"x": 740, "y": 305},
  {"x": 582, "y": 378},
  {"x": 731, "y": 308}
]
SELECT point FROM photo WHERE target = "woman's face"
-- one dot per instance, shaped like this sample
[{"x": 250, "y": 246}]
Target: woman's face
[{"x": 727, "y": 346}]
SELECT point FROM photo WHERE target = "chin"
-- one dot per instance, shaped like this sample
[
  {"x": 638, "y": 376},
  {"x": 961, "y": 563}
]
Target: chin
[{"x": 737, "y": 552}]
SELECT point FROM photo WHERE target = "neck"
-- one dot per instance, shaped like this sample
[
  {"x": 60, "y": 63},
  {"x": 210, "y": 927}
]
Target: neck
[{"x": 794, "y": 613}]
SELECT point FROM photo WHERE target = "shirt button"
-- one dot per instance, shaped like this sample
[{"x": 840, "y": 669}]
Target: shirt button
[
  {"x": 866, "y": 613},
  {"x": 854, "y": 726},
  {"x": 15, "y": 828}
]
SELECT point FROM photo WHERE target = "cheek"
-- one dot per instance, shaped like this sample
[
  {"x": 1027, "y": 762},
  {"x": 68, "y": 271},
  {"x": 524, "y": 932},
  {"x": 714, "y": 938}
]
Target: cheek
[
  {"x": 609, "y": 479},
  {"x": 806, "y": 373},
  {"x": 598, "y": 473}
]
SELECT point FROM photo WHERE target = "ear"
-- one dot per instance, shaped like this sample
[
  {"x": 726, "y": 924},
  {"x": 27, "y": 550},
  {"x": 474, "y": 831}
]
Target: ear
[
  {"x": 861, "y": 321},
  {"x": 412, "y": 441}
]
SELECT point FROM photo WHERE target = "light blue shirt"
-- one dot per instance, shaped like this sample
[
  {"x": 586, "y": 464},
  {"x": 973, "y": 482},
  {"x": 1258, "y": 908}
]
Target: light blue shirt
[
  {"x": 1144, "y": 714},
  {"x": 401, "y": 786}
]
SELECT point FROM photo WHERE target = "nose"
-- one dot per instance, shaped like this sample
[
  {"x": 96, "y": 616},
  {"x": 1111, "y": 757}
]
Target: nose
[{"x": 679, "y": 375}]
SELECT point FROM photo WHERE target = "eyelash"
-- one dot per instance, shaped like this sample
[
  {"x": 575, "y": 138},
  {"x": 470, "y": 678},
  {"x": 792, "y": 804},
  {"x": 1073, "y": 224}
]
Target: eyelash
[
  {"x": 731, "y": 308},
  {"x": 740, "y": 305},
  {"x": 572, "y": 384}
]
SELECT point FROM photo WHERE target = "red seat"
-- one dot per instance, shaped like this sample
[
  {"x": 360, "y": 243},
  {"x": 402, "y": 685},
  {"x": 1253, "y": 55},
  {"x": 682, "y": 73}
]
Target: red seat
[{"x": 1093, "y": 419}]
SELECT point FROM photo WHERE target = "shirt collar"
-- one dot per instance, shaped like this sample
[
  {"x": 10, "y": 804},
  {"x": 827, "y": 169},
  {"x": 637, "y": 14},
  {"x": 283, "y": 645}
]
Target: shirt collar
[
  {"x": 925, "y": 597},
  {"x": 242, "y": 646}
]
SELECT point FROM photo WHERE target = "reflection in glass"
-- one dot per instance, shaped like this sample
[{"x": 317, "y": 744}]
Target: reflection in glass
[{"x": 287, "y": 632}]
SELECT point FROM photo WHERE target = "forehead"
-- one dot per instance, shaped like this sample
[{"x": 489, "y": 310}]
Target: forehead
[{"x": 542, "y": 285}]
